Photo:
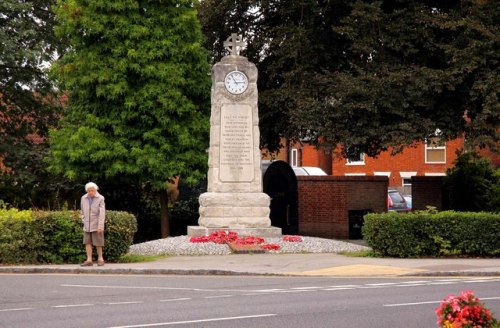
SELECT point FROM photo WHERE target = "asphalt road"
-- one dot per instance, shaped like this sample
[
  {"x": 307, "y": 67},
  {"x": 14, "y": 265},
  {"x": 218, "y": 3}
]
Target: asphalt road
[{"x": 230, "y": 301}]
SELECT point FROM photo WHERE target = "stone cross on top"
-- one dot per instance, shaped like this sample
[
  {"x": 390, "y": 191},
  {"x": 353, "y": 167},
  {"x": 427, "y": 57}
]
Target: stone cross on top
[{"x": 234, "y": 44}]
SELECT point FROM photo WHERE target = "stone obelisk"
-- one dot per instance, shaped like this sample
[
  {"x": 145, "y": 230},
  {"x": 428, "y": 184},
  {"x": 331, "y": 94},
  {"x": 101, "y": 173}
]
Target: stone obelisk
[{"x": 234, "y": 200}]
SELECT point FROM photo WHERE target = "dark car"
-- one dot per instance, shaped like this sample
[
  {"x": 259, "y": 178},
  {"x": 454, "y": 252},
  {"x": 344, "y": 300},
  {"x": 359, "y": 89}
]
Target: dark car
[{"x": 396, "y": 202}]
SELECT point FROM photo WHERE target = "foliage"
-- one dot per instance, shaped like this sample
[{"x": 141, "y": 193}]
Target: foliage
[
  {"x": 18, "y": 234},
  {"x": 367, "y": 74},
  {"x": 31, "y": 186},
  {"x": 31, "y": 237},
  {"x": 138, "y": 83},
  {"x": 473, "y": 184},
  {"x": 119, "y": 233},
  {"x": 464, "y": 311},
  {"x": 62, "y": 237},
  {"x": 423, "y": 233},
  {"x": 28, "y": 44},
  {"x": 28, "y": 103},
  {"x": 139, "y": 200},
  {"x": 185, "y": 211}
]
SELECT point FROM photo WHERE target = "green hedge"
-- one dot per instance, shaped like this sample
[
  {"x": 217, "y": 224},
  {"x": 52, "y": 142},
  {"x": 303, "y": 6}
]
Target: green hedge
[
  {"x": 428, "y": 233},
  {"x": 30, "y": 237}
]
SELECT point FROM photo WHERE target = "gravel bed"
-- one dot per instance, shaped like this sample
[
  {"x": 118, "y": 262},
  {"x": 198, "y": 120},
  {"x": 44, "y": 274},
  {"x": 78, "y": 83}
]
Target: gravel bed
[{"x": 182, "y": 246}]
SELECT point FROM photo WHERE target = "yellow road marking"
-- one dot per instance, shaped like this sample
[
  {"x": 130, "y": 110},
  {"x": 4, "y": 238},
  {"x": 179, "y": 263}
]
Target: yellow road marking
[{"x": 358, "y": 270}]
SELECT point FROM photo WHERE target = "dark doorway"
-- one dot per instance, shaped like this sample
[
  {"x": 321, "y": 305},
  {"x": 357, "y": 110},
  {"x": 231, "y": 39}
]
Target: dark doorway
[
  {"x": 356, "y": 223},
  {"x": 280, "y": 184}
]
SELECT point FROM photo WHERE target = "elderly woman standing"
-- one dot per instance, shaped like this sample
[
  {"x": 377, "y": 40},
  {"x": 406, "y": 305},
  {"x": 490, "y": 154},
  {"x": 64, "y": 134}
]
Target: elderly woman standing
[{"x": 93, "y": 214}]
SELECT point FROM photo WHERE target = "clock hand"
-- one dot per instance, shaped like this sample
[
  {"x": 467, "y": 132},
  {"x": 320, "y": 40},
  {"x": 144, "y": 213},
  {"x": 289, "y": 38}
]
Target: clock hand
[{"x": 232, "y": 76}]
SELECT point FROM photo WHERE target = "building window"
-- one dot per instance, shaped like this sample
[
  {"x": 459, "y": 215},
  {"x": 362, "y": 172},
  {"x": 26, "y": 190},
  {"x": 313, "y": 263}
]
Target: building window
[
  {"x": 295, "y": 157},
  {"x": 435, "y": 151},
  {"x": 406, "y": 178},
  {"x": 355, "y": 157}
]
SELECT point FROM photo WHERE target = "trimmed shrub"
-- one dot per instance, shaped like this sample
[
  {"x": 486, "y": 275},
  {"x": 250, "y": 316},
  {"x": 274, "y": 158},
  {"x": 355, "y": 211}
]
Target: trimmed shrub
[
  {"x": 119, "y": 233},
  {"x": 62, "y": 237},
  {"x": 30, "y": 237},
  {"x": 17, "y": 233},
  {"x": 425, "y": 233}
]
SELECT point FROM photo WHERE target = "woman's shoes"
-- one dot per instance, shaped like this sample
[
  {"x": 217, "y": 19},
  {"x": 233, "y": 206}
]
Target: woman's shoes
[{"x": 89, "y": 263}]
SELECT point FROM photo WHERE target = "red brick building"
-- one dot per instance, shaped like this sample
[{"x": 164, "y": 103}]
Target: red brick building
[{"x": 420, "y": 159}]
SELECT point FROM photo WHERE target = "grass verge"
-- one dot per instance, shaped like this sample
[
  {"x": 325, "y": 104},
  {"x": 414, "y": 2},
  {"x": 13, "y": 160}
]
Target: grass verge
[
  {"x": 134, "y": 258},
  {"x": 364, "y": 253}
]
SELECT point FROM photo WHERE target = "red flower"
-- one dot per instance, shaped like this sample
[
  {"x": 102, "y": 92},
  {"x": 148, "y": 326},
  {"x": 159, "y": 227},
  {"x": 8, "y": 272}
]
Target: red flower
[
  {"x": 200, "y": 239},
  {"x": 221, "y": 237},
  {"x": 271, "y": 246},
  {"x": 249, "y": 240},
  {"x": 290, "y": 238}
]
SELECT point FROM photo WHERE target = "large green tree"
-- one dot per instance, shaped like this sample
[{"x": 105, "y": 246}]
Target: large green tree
[
  {"x": 138, "y": 83},
  {"x": 28, "y": 102},
  {"x": 369, "y": 75}
]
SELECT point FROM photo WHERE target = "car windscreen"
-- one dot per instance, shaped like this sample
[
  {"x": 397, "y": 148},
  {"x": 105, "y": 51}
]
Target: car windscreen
[{"x": 396, "y": 197}]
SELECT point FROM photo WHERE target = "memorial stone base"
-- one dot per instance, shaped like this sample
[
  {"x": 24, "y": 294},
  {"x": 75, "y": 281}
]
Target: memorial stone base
[{"x": 244, "y": 213}]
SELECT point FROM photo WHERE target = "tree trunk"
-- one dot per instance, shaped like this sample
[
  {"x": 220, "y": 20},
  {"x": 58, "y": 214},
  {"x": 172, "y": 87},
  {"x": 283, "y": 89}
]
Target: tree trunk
[{"x": 165, "y": 217}]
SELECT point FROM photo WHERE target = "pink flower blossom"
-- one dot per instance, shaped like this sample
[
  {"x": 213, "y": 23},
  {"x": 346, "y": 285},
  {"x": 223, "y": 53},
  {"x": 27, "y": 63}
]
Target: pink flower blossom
[{"x": 464, "y": 311}]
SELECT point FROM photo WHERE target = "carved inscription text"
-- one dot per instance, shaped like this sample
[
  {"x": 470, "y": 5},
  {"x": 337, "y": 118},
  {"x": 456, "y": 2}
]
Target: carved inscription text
[{"x": 236, "y": 144}]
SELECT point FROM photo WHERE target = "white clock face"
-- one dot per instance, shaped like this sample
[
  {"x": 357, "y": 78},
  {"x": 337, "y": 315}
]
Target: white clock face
[{"x": 236, "y": 82}]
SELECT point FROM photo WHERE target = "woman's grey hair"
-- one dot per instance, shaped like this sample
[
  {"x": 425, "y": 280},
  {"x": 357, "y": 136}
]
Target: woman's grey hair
[{"x": 91, "y": 185}]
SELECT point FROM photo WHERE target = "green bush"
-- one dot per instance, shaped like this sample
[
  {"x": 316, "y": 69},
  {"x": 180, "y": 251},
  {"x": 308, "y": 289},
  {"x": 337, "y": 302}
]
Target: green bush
[
  {"x": 473, "y": 184},
  {"x": 62, "y": 236},
  {"x": 119, "y": 233},
  {"x": 17, "y": 233},
  {"x": 425, "y": 233},
  {"x": 30, "y": 237}
]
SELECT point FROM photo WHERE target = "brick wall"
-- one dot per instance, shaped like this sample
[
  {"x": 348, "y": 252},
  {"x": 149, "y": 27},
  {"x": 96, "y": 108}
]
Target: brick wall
[
  {"x": 317, "y": 157},
  {"x": 411, "y": 159},
  {"x": 325, "y": 201},
  {"x": 428, "y": 191}
]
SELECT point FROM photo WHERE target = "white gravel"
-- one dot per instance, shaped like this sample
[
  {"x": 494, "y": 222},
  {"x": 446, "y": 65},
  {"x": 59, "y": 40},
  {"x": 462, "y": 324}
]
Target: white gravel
[{"x": 182, "y": 246}]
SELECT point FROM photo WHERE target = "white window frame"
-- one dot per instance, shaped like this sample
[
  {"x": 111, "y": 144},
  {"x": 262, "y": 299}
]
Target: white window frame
[
  {"x": 360, "y": 162},
  {"x": 407, "y": 184},
  {"x": 294, "y": 157},
  {"x": 406, "y": 175},
  {"x": 355, "y": 174},
  {"x": 427, "y": 148}
]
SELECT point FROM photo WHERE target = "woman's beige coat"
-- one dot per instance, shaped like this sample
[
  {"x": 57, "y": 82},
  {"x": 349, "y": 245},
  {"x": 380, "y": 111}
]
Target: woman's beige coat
[{"x": 93, "y": 216}]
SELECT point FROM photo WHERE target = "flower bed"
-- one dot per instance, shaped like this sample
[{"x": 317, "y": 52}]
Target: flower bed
[
  {"x": 464, "y": 311},
  {"x": 244, "y": 244},
  {"x": 218, "y": 237}
]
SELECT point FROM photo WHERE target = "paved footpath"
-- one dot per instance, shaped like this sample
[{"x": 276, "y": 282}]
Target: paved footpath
[{"x": 316, "y": 264}]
